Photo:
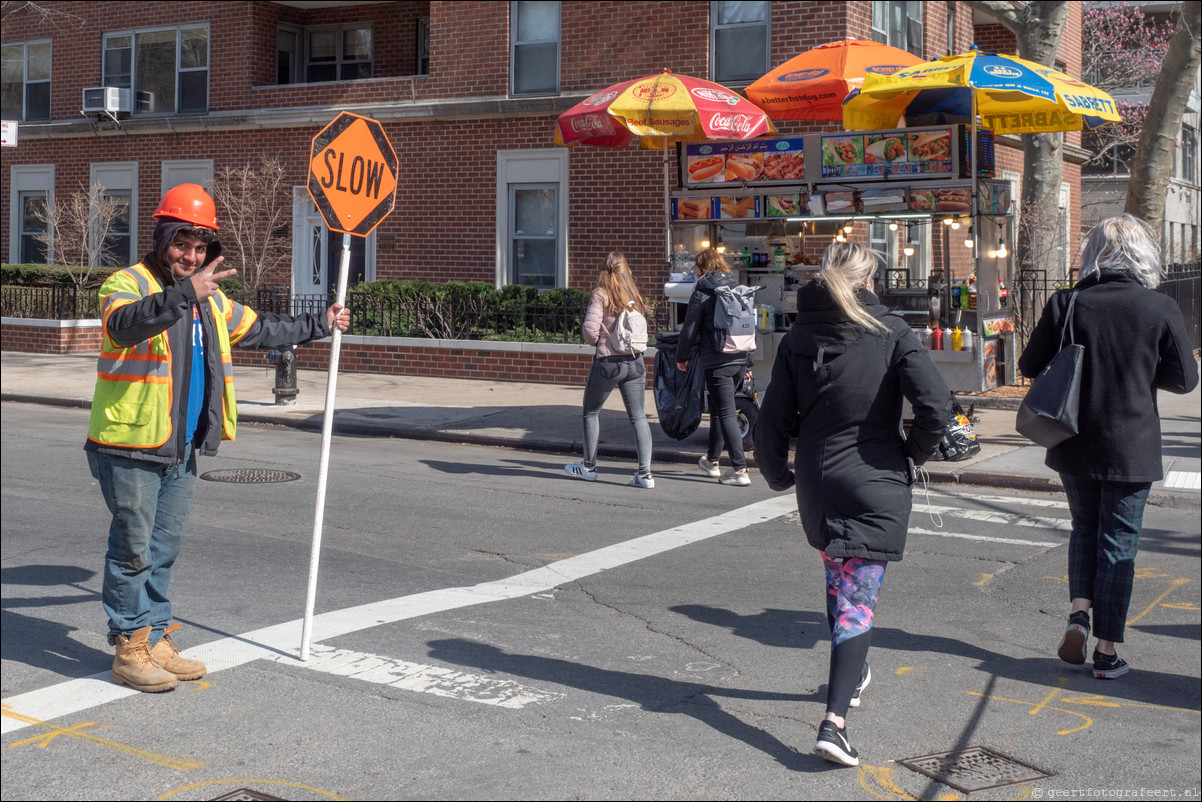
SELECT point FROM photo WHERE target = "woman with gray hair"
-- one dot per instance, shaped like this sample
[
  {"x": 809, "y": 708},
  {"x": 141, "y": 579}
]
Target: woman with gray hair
[
  {"x": 1135, "y": 344},
  {"x": 840, "y": 377}
]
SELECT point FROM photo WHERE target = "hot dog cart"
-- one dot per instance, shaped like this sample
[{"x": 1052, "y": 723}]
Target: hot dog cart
[{"x": 774, "y": 205}]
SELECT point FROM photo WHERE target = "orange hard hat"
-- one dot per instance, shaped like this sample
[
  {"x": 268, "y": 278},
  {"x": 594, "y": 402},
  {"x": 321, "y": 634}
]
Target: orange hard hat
[{"x": 190, "y": 203}]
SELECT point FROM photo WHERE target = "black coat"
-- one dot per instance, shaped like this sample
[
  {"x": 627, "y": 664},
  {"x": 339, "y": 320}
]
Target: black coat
[
  {"x": 843, "y": 386},
  {"x": 1135, "y": 344},
  {"x": 697, "y": 331}
]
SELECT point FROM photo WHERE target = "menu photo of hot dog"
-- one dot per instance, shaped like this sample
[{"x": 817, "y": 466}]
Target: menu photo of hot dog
[
  {"x": 737, "y": 208},
  {"x": 706, "y": 168},
  {"x": 744, "y": 166},
  {"x": 952, "y": 200},
  {"x": 693, "y": 209}
]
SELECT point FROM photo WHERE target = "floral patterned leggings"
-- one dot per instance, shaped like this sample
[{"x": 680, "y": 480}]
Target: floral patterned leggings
[{"x": 852, "y": 587}]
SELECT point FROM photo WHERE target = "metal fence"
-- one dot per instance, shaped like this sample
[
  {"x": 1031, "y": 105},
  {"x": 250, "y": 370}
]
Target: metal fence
[
  {"x": 1182, "y": 284},
  {"x": 50, "y": 303}
]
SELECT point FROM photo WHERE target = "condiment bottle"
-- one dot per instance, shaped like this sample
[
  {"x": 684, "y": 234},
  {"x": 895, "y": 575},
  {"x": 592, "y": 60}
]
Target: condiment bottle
[
  {"x": 947, "y": 338},
  {"x": 925, "y": 336},
  {"x": 937, "y": 338},
  {"x": 957, "y": 339},
  {"x": 966, "y": 340}
]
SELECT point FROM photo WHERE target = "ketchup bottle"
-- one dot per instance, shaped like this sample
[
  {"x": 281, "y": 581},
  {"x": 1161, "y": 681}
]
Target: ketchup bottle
[{"x": 936, "y": 339}]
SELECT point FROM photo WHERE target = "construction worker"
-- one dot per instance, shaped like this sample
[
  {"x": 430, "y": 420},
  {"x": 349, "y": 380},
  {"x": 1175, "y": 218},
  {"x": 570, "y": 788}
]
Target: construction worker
[{"x": 164, "y": 392}]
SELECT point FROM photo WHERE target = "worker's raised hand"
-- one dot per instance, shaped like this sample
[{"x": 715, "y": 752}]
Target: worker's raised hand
[
  {"x": 205, "y": 280},
  {"x": 338, "y": 315}
]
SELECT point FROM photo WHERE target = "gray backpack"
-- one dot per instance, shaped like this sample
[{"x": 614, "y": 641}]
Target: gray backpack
[{"x": 734, "y": 319}]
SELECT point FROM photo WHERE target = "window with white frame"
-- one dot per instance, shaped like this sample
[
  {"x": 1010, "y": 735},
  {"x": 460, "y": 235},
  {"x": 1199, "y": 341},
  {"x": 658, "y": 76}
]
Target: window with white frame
[
  {"x": 739, "y": 38},
  {"x": 25, "y": 81},
  {"x": 1189, "y": 154},
  {"x": 532, "y": 206},
  {"x": 341, "y": 53},
  {"x": 187, "y": 171},
  {"x": 167, "y": 69},
  {"x": 31, "y": 191},
  {"x": 534, "y": 47},
  {"x": 120, "y": 182},
  {"x": 898, "y": 23}
]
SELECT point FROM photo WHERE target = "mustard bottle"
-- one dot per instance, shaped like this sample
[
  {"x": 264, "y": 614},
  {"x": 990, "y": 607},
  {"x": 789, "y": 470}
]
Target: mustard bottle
[{"x": 957, "y": 339}]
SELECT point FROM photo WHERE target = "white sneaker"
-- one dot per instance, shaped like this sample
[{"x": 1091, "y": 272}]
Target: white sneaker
[
  {"x": 736, "y": 478},
  {"x": 581, "y": 471},
  {"x": 710, "y": 469},
  {"x": 646, "y": 482}
]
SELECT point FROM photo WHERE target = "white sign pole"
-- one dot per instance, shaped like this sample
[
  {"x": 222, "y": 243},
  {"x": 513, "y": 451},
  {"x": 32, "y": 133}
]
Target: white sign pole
[{"x": 327, "y": 429}]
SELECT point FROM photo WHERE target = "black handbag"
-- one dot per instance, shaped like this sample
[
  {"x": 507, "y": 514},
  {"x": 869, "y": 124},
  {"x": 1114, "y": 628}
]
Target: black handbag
[{"x": 1048, "y": 414}]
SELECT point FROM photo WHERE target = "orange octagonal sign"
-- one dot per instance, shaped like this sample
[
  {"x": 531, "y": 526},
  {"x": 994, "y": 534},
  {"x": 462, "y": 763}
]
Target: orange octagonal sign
[{"x": 353, "y": 174}]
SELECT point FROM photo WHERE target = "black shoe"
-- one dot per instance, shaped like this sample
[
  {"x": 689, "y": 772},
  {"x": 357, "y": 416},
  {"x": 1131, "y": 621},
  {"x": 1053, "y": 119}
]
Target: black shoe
[
  {"x": 833, "y": 745},
  {"x": 865, "y": 678},
  {"x": 1109, "y": 666},
  {"x": 1075, "y": 643}
]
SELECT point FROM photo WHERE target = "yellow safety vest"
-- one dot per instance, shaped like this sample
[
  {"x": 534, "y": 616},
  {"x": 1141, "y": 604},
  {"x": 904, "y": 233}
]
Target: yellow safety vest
[{"x": 136, "y": 404}]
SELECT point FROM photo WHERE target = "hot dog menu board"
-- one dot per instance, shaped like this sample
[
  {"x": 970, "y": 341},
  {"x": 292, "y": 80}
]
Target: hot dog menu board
[
  {"x": 760, "y": 161},
  {"x": 946, "y": 199},
  {"x": 922, "y": 154},
  {"x": 694, "y": 208}
]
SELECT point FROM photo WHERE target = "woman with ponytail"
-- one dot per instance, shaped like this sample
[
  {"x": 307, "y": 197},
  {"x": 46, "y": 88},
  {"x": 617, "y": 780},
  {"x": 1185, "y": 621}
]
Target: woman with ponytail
[
  {"x": 615, "y": 291},
  {"x": 839, "y": 380}
]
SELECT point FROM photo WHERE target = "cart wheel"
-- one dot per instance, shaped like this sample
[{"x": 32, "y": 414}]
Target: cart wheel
[{"x": 747, "y": 416}]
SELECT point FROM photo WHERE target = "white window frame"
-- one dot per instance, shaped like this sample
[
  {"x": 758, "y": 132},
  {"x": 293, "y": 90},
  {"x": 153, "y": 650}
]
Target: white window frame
[
  {"x": 306, "y": 221},
  {"x": 26, "y": 178},
  {"x": 187, "y": 171},
  {"x": 339, "y": 57},
  {"x": 515, "y": 43},
  {"x": 132, "y": 82},
  {"x": 527, "y": 167},
  {"x": 121, "y": 178},
  {"x": 884, "y": 32},
  {"x": 26, "y": 81},
  {"x": 715, "y": 73}
]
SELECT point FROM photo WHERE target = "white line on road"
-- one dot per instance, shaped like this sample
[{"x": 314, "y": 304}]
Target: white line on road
[
  {"x": 994, "y": 517},
  {"x": 1009, "y": 501},
  {"x": 420, "y": 678},
  {"x": 988, "y": 539},
  {"x": 1183, "y": 480},
  {"x": 77, "y": 695}
]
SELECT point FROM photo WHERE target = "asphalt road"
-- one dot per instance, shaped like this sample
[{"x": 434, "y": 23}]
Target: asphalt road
[{"x": 491, "y": 629}]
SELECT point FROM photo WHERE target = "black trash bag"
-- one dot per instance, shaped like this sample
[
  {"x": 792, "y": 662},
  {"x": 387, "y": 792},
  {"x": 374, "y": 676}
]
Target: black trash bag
[
  {"x": 678, "y": 396},
  {"x": 960, "y": 441}
]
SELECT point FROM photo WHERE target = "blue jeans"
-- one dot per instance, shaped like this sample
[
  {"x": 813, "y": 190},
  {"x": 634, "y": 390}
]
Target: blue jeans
[
  {"x": 150, "y": 504},
  {"x": 629, "y": 375},
  {"x": 1107, "y": 520}
]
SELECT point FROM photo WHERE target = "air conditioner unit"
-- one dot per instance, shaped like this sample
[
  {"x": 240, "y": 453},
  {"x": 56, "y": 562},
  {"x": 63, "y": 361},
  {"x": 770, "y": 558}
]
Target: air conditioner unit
[{"x": 106, "y": 99}]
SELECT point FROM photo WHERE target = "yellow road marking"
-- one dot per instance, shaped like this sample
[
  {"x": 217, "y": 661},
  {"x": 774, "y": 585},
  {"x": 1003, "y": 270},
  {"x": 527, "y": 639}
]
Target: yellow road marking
[
  {"x": 1176, "y": 583},
  {"x": 199, "y": 683},
  {"x": 1097, "y": 701},
  {"x": 44, "y": 740},
  {"x": 1088, "y": 721},
  {"x": 883, "y": 777},
  {"x": 984, "y": 578},
  {"x": 71, "y": 732},
  {"x": 905, "y": 670},
  {"x": 1060, "y": 683},
  {"x": 1181, "y": 606},
  {"x": 250, "y": 781}
]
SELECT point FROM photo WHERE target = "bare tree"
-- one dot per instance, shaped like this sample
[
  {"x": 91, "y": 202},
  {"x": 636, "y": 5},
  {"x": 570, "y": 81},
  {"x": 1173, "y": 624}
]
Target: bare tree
[
  {"x": 1154, "y": 155},
  {"x": 77, "y": 229},
  {"x": 256, "y": 209}
]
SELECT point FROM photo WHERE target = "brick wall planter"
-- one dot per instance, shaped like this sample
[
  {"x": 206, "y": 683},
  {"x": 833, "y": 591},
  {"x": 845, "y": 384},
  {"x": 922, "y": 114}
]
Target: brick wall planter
[{"x": 403, "y": 356}]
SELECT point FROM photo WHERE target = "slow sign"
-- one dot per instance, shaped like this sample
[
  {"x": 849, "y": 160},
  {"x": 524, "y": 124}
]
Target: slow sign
[{"x": 353, "y": 174}]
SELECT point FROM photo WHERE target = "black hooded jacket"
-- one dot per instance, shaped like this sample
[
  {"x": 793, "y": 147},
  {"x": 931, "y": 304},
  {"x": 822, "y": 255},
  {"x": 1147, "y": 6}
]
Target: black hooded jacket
[
  {"x": 697, "y": 331},
  {"x": 842, "y": 386}
]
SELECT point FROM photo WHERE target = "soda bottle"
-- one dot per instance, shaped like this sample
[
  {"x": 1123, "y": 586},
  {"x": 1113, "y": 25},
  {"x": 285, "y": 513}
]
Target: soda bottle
[
  {"x": 955, "y": 294},
  {"x": 1002, "y": 294},
  {"x": 964, "y": 295}
]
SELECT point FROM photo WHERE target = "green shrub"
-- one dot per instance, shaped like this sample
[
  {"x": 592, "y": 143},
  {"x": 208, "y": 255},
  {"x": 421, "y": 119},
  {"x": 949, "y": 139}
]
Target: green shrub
[{"x": 40, "y": 275}]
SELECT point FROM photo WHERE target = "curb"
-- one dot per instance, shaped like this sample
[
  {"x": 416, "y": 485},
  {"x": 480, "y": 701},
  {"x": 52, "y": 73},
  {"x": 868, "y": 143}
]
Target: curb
[{"x": 988, "y": 402}]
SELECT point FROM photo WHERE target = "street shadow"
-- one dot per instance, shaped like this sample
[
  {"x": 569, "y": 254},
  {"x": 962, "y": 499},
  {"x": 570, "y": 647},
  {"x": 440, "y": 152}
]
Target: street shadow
[
  {"x": 1188, "y": 631},
  {"x": 41, "y": 643},
  {"x": 1166, "y": 541},
  {"x": 651, "y": 693},
  {"x": 789, "y": 629},
  {"x": 1181, "y": 444}
]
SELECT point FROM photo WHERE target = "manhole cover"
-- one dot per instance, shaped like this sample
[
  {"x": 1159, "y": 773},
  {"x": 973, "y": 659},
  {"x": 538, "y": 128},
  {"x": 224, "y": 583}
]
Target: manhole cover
[
  {"x": 250, "y": 476},
  {"x": 246, "y": 795},
  {"x": 974, "y": 769}
]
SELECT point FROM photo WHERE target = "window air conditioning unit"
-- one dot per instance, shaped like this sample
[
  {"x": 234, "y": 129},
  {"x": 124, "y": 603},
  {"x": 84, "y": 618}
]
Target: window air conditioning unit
[{"x": 106, "y": 99}]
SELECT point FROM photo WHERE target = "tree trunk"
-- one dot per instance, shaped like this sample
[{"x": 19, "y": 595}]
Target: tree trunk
[{"x": 1153, "y": 164}]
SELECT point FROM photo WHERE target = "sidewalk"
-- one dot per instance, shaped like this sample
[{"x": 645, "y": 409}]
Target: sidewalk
[{"x": 544, "y": 417}]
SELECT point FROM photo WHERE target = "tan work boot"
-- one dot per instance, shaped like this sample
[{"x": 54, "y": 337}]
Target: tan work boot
[
  {"x": 167, "y": 655},
  {"x": 134, "y": 666}
]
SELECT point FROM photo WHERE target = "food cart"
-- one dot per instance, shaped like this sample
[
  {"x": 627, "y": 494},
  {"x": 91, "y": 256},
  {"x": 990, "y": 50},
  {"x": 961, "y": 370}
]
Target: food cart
[{"x": 773, "y": 206}]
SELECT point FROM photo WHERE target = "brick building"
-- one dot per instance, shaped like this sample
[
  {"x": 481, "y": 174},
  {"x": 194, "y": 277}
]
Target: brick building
[{"x": 467, "y": 91}]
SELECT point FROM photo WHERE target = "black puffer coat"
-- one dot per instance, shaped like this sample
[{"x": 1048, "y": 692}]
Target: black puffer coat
[
  {"x": 843, "y": 386},
  {"x": 1135, "y": 344},
  {"x": 697, "y": 331}
]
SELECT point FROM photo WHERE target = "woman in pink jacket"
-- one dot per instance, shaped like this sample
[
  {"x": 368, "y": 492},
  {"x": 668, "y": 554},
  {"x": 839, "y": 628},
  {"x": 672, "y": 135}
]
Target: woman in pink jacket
[{"x": 614, "y": 292}]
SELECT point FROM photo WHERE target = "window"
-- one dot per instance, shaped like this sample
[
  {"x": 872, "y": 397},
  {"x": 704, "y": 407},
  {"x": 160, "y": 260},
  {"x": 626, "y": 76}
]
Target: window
[
  {"x": 532, "y": 211},
  {"x": 167, "y": 69},
  {"x": 26, "y": 81},
  {"x": 317, "y": 254},
  {"x": 287, "y": 55},
  {"x": 120, "y": 181},
  {"x": 1108, "y": 159},
  {"x": 534, "y": 51},
  {"x": 739, "y": 39},
  {"x": 338, "y": 54},
  {"x": 423, "y": 47},
  {"x": 30, "y": 191},
  {"x": 33, "y": 224},
  {"x": 1189, "y": 154},
  {"x": 898, "y": 23},
  {"x": 883, "y": 240},
  {"x": 187, "y": 171}
]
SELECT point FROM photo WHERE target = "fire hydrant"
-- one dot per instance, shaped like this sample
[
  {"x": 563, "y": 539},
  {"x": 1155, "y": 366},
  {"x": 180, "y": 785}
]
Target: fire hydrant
[{"x": 285, "y": 389}]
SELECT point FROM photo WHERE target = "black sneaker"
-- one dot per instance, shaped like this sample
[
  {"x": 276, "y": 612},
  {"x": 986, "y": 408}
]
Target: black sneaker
[
  {"x": 1075, "y": 643},
  {"x": 833, "y": 745},
  {"x": 865, "y": 678},
  {"x": 1109, "y": 666}
]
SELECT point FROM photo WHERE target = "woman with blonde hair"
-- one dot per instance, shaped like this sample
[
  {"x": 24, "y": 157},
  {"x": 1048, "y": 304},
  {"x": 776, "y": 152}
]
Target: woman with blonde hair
[
  {"x": 614, "y": 292},
  {"x": 723, "y": 371},
  {"x": 840, "y": 377},
  {"x": 1135, "y": 344}
]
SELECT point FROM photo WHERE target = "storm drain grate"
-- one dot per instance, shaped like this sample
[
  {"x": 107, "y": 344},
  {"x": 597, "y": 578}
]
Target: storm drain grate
[
  {"x": 246, "y": 795},
  {"x": 974, "y": 769},
  {"x": 250, "y": 476}
]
